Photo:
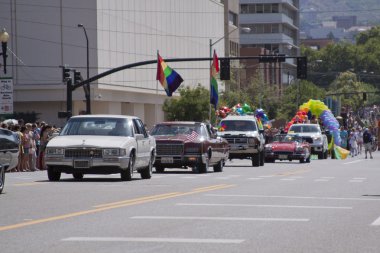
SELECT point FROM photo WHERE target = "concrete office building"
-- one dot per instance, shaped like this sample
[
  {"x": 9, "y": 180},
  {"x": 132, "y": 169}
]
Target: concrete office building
[
  {"x": 44, "y": 35},
  {"x": 274, "y": 26}
]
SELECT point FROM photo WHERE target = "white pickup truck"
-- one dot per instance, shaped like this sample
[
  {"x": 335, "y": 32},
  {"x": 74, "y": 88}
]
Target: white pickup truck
[
  {"x": 312, "y": 133},
  {"x": 244, "y": 137}
]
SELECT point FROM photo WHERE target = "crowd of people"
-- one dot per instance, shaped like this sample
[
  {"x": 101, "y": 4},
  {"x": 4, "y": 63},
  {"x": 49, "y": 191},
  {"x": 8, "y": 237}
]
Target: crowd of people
[{"x": 32, "y": 138}]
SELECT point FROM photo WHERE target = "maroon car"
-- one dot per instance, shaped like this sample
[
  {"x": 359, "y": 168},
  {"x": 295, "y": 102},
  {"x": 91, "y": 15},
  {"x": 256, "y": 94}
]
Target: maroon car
[
  {"x": 288, "y": 147},
  {"x": 188, "y": 144}
]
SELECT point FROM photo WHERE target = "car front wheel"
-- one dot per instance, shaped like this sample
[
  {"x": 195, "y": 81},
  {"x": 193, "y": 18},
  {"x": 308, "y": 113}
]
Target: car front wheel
[
  {"x": 126, "y": 175},
  {"x": 53, "y": 175},
  {"x": 146, "y": 173}
]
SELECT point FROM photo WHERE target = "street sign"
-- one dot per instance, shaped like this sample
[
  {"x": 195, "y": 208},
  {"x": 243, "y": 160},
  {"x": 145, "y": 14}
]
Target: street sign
[{"x": 6, "y": 95}]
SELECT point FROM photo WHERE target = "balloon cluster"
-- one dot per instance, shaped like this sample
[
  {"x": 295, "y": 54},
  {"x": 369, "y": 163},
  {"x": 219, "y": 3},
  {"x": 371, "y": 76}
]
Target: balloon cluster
[
  {"x": 235, "y": 110},
  {"x": 318, "y": 109},
  {"x": 262, "y": 118},
  {"x": 332, "y": 124}
]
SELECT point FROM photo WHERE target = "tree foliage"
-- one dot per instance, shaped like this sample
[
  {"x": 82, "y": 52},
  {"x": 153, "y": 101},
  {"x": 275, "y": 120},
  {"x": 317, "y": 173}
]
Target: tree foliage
[{"x": 192, "y": 105}]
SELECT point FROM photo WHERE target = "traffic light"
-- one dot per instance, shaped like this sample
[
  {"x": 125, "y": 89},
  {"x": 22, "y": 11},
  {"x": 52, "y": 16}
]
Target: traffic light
[
  {"x": 364, "y": 96},
  {"x": 65, "y": 74},
  {"x": 301, "y": 67},
  {"x": 225, "y": 69},
  {"x": 77, "y": 77}
]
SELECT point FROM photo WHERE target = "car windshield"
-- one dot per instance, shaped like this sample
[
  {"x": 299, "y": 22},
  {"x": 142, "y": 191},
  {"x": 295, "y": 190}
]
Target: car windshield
[
  {"x": 98, "y": 126},
  {"x": 175, "y": 129},
  {"x": 287, "y": 138},
  {"x": 299, "y": 128},
  {"x": 238, "y": 125}
]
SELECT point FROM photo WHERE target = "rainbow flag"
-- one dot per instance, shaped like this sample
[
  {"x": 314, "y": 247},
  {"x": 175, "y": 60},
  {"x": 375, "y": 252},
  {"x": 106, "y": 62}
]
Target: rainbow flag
[
  {"x": 169, "y": 79},
  {"x": 213, "y": 82}
]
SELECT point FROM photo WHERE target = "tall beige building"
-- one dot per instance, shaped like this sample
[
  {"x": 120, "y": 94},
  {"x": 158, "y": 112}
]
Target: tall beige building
[{"x": 44, "y": 35}]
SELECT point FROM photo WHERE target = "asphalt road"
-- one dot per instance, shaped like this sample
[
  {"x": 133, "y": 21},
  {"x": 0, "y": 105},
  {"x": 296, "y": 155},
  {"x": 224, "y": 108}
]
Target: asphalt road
[{"x": 325, "y": 206}]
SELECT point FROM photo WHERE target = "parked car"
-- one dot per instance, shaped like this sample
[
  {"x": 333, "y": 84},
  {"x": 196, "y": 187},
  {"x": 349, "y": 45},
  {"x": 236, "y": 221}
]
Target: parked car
[
  {"x": 9, "y": 151},
  {"x": 288, "y": 147},
  {"x": 189, "y": 144},
  {"x": 101, "y": 144}
]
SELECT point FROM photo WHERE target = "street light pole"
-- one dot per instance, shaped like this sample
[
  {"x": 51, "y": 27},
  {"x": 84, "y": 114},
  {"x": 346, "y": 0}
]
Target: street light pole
[
  {"x": 87, "y": 87},
  {"x": 4, "y": 36},
  {"x": 211, "y": 44}
]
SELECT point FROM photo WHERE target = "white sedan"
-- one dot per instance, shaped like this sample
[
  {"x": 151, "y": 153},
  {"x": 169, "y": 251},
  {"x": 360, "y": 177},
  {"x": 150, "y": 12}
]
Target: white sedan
[{"x": 101, "y": 144}]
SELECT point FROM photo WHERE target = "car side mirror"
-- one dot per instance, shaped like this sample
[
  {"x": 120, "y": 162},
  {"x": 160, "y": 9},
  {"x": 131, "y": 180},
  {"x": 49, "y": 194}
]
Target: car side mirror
[{"x": 139, "y": 136}]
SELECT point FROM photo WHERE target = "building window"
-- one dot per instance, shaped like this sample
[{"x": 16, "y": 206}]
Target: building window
[
  {"x": 275, "y": 8},
  {"x": 232, "y": 18}
]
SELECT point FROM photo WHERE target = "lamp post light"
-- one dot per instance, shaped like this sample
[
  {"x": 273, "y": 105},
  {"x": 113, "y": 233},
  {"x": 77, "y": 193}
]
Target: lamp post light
[
  {"x": 4, "y": 37},
  {"x": 87, "y": 86}
]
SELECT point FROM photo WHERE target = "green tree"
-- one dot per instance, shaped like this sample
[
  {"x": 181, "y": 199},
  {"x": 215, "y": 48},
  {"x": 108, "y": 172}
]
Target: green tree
[
  {"x": 192, "y": 105},
  {"x": 301, "y": 91}
]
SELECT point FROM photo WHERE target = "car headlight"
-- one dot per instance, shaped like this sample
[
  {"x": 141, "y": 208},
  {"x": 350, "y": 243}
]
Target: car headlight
[
  {"x": 251, "y": 140},
  {"x": 114, "y": 152},
  {"x": 318, "y": 139},
  {"x": 299, "y": 149},
  {"x": 268, "y": 148},
  {"x": 55, "y": 151}
]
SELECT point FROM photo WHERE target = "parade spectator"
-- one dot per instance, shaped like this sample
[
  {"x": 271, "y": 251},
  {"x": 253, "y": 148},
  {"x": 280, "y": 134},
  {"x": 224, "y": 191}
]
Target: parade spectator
[
  {"x": 353, "y": 144},
  {"x": 25, "y": 142},
  {"x": 344, "y": 137},
  {"x": 367, "y": 139},
  {"x": 46, "y": 132},
  {"x": 359, "y": 134}
]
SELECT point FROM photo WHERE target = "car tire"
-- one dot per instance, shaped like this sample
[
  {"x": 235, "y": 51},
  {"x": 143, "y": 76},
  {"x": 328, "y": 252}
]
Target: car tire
[
  {"x": 78, "y": 176},
  {"x": 320, "y": 155},
  {"x": 146, "y": 173},
  {"x": 160, "y": 169},
  {"x": 308, "y": 160},
  {"x": 219, "y": 166},
  {"x": 326, "y": 154},
  {"x": 262, "y": 158},
  {"x": 2, "y": 178},
  {"x": 52, "y": 174},
  {"x": 126, "y": 175},
  {"x": 255, "y": 160},
  {"x": 302, "y": 160}
]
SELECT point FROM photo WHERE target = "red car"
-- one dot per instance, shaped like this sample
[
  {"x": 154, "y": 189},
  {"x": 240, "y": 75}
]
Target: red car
[
  {"x": 188, "y": 144},
  {"x": 288, "y": 147}
]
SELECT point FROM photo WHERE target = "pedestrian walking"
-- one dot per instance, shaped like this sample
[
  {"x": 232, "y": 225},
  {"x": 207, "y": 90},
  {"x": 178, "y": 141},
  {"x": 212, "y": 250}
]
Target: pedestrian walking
[{"x": 367, "y": 139}]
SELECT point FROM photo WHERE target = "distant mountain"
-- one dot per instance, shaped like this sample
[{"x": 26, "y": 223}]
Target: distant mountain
[{"x": 367, "y": 11}]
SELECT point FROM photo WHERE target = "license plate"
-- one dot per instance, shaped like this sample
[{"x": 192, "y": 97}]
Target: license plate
[
  {"x": 167, "y": 159},
  {"x": 81, "y": 164},
  {"x": 282, "y": 157}
]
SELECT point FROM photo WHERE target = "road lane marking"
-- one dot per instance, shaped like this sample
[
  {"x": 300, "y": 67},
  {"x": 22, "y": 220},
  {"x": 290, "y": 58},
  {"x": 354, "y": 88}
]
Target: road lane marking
[
  {"x": 359, "y": 178},
  {"x": 27, "y": 184},
  {"x": 255, "y": 178},
  {"x": 288, "y": 179},
  {"x": 289, "y": 197},
  {"x": 356, "y": 161},
  {"x": 376, "y": 222},
  {"x": 153, "y": 239},
  {"x": 274, "y": 206},
  {"x": 321, "y": 180},
  {"x": 217, "y": 218},
  {"x": 355, "y": 181},
  {"x": 119, "y": 204}
]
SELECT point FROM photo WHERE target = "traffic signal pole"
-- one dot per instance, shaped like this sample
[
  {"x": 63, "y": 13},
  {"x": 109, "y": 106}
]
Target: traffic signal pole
[{"x": 71, "y": 87}]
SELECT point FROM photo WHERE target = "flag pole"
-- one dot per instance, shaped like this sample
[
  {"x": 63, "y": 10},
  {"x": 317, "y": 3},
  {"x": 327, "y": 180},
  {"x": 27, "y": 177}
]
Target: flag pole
[{"x": 209, "y": 106}]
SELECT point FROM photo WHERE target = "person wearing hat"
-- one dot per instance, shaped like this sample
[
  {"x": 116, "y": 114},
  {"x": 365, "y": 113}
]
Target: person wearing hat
[{"x": 367, "y": 140}]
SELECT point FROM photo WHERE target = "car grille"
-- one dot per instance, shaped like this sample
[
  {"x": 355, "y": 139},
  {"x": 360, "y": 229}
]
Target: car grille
[
  {"x": 83, "y": 153},
  {"x": 237, "y": 140},
  {"x": 283, "y": 152},
  {"x": 169, "y": 149}
]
